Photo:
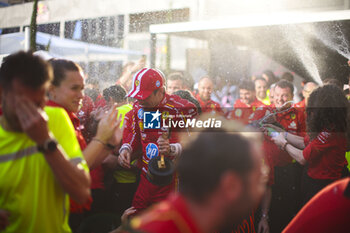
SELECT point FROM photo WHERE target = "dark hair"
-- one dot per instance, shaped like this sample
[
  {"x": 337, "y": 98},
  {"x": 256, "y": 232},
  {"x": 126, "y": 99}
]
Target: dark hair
[
  {"x": 327, "y": 109},
  {"x": 333, "y": 81},
  {"x": 116, "y": 92},
  {"x": 285, "y": 84},
  {"x": 208, "y": 157},
  {"x": 260, "y": 78},
  {"x": 29, "y": 69},
  {"x": 184, "y": 94},
  {"x": 175, "y": 76},
  {"x": 60, "y": 66},
  {"x": 92, "y": 93},
  {"x": 247, "y": 85},
  {"x": 272, "y": 77},
  {"x": 287, "y": 76}
]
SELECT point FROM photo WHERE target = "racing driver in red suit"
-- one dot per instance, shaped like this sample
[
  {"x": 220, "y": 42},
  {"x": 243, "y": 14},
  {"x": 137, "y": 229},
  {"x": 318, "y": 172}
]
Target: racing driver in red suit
[{"x": 144, "y": 130}]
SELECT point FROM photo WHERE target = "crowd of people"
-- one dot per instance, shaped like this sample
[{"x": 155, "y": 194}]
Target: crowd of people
[{"x": 74, "y": 158}]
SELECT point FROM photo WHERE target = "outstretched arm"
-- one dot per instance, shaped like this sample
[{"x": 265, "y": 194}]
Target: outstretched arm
[
  {"x": 296, "y": 153},
  {"x": 107, "y": 137}
]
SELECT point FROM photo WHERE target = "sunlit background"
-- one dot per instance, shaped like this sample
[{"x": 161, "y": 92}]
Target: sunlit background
[{"x": 231, "y": 39}]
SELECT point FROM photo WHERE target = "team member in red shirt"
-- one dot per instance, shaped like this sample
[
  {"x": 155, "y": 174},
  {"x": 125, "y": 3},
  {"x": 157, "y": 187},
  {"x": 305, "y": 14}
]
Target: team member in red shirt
[
  {"x": 323, "y": 149},
  {"x": 149, "y": 92},
  {"x": 247, "y": 103},
  {"x": 284, "y": 114},
  {"x": 205, "y": 88},
  {"x": 216, "y": 193},
  {"x": 284, "y": 174},
  {"x": 307, "y": 90}
]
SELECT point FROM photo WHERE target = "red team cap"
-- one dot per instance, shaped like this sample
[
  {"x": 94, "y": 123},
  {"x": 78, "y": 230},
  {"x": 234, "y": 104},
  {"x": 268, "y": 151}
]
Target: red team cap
[{"x": 144, "y": 82}]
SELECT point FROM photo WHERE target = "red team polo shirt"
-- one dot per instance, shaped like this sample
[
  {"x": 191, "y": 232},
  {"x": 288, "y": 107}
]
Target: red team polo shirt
[
  {"x": 209, "y": 106},
  {"x": 325, "y": 155},
  {"x": 100, "y": 102},
  {"x": 242, "y": 112},
  {"x": 301, "y": 104},
  {"x": 293, "y": 121}
]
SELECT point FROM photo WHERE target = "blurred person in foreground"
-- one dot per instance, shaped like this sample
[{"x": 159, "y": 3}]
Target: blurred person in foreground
[
  {"x": 327, "y": 212},
  {"x": 40, "y": 159},
  {"x": 220, "y": 185}
]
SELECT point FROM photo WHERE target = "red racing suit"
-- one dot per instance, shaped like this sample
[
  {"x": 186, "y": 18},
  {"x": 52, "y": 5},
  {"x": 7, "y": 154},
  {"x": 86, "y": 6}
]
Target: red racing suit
[{"x": 137, "y": 136}]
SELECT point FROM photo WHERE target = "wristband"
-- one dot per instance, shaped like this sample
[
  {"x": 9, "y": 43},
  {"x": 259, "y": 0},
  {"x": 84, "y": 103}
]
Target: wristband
[
  {"x": 107, "y": 145},
  {"x": 110, "y": 146},
  {"x": 285, "y": 146},
  {"x": 285, "y": 135},
  {"x": 50, "y": 145},
  {"x": 264, "y": 216},
  {"x": 98, "y": 140},
  {"x": 175, "y": 149},
  {"x": 125, "y": 146}
]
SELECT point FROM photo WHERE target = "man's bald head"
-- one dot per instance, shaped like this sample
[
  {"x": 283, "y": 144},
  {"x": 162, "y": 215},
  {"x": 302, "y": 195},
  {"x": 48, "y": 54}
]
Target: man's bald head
[
  {"x": 308, "y": 88},
  {"x": 205, "y": 88}
]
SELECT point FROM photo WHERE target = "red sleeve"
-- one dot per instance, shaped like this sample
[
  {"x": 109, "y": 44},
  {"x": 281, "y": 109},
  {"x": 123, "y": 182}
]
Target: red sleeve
[
  {"x": 219, "y": 109},
  {"x": 85, "y": 111},
  {"x": 190, "y": 110},
  {"x": 306, "y": 140},
  {"x": 259, "y": 113},
  {"x": 131, "y": 133},
  {"x": 301, "y": 122},
  {"x": 316, "y": 146},
  {"x": 100, "y": 102}
]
